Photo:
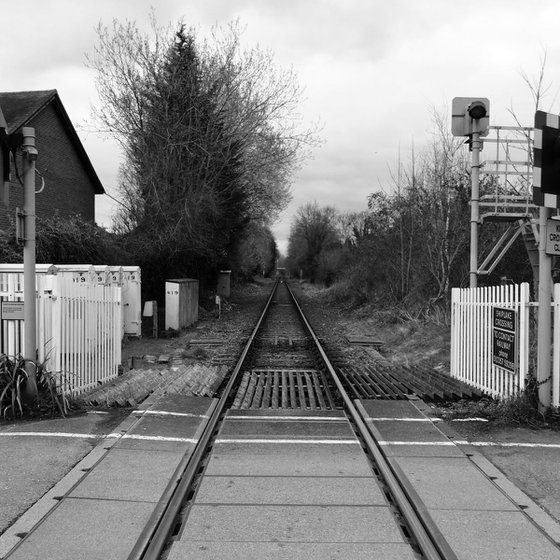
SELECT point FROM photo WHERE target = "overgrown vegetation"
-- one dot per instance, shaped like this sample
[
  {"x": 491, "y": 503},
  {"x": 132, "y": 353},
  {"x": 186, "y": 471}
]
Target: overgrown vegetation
[
  {"x": 521, "y": 410},
  {"x": 62, "y": 240},
  {"x": 411, "y": 245}
]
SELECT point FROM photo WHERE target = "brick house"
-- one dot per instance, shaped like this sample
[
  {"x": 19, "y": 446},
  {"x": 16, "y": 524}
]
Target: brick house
[{"x": 71, "y": 182}]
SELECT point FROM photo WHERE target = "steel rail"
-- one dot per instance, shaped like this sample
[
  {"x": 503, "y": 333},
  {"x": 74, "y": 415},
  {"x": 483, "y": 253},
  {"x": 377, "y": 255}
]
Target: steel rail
[
  {"x": 156, "y": 533},
  {"x": 430, "y": 541}
]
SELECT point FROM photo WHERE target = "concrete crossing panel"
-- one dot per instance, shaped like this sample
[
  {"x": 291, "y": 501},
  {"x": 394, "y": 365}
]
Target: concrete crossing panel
[
  {"x": 288, "y": 459},
  {"x": 499, "y": 535},
  {"x": 453, "y": 483},
  {"x": 291, "y": 524},
  {"x": 290, "y": 490},
  {"x": 206, "y": 550},
  {"x": 126, "y": 474},
  {"x": 286, "y": 429}
]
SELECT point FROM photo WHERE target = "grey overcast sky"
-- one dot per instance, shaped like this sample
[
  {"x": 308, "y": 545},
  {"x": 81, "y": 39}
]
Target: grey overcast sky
[{"x": 373, "y": 72}]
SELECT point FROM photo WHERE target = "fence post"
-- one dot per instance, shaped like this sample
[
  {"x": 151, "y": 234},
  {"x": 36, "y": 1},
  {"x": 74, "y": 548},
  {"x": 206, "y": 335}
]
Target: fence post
[
  {"x": 524, "y": 300},
  {"x": 556, "y": 349}
]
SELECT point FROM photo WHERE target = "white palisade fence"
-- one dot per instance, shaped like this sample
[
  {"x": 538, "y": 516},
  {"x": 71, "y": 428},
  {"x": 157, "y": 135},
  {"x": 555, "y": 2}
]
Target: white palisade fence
[
  {"x": 79, "y": 329},
  {"x": 472, "y": 338}
]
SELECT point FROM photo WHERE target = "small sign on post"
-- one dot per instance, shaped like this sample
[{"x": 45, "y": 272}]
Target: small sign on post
[
  {"x": 12, "y": 311},
  {"x": 504, "y": 338}
]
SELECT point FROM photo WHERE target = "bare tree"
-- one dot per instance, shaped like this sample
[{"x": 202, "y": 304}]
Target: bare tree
[{"x": 313, "y": 231}]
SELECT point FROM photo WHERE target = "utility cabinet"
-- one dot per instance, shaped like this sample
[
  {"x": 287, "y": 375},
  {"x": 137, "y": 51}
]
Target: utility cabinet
[
  {"x": 181, "y": 303},
  {"x": 131, "y": 283},
  {"x": 223, "y": 288}
]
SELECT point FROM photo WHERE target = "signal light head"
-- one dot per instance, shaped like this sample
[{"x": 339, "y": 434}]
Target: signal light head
[{"x": 477, "y": 110}]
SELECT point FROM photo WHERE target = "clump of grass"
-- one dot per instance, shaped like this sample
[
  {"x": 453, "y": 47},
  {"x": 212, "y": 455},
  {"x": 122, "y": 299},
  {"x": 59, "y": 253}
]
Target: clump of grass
[
  {"x": 519, "y": 410},
  {"x": 51, "y": 398}
]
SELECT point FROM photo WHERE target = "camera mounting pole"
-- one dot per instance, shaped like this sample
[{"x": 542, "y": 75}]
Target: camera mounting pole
[{"x": 30, "y": 153}]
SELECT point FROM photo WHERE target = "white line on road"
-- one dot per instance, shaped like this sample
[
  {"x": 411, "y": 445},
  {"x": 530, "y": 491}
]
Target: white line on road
[
  {"x": 165, "y": 413},
  {"x": 438, "y": 443},
  {"x": 235, "y": 418},
  {"x": 281, "y": 441},
  {"x": 298, "y": 441},
  {"x": 49, "y": 434},
  {"x": 508, "y": 444},
  {"x": 388, "y": 419},
  {"x": 152, "y": 438}
]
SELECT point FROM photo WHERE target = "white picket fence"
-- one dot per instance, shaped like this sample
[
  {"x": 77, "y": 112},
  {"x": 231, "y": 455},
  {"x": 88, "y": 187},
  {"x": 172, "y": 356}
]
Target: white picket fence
[
  {"x": 472, "y": 338},
  {"x": 79, "y": 329}
]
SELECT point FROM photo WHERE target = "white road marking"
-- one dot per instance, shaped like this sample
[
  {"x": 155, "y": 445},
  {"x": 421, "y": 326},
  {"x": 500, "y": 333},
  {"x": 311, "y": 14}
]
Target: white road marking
[
  {"x": 50, "y": 434},
  {"x": 469, "y": 420},
  {"x": 287, "y": 418},
  {"x": 154, "y": 438},
  {"x": 115, "y": 435},
  {"x": 165, "y": 413},
  {"x": 439, "y": 443},
  {"x": 474, "y": 443},
  {"x": 297, "y": 441},
  {"x": 508, "y": 444},
  {"x": 404, "y": 419}
]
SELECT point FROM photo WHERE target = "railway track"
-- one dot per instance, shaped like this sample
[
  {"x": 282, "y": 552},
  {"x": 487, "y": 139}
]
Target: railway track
[
  {"x": 284, "y": 378},
  {"x": 304, "y": 452}
]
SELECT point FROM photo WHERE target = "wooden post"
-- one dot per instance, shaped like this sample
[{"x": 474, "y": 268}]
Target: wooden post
[{"x": 154, "y": 319}]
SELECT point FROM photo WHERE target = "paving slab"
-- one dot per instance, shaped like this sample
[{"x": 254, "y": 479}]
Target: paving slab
[
  {"x": 399, "y": 424},
  {"x": 290, "y": 490},
  {"x": 499, "y": 535},
  {"x": 288, "y": 459},
  {"x": 274, "y": 523},
  {"x": 128, "y": 474},
  {"x": 154, "y": 444},
  {"x": 165, "y": 433},
  {"x": 453, "y": 483},
  {"x": 183, "y": 404},
  {"x": 402, "y": 430},
  {"x": 225, "y": 550},
  {"x": 422, "y": 450},
  {"x": 86, "y": 529},
  {"x": 385, "y": 408},
  {"x": 167, "y": 426}
]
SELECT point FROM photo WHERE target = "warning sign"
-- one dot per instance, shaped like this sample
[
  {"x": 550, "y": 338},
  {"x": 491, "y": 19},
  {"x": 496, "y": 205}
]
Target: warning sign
[
  {"x": 504, "y": 336},
  {"x": 552, "y": 246}
]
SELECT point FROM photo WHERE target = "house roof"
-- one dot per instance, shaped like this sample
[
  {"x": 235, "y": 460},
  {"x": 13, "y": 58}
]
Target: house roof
[{"x": 20, "y": 107}]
